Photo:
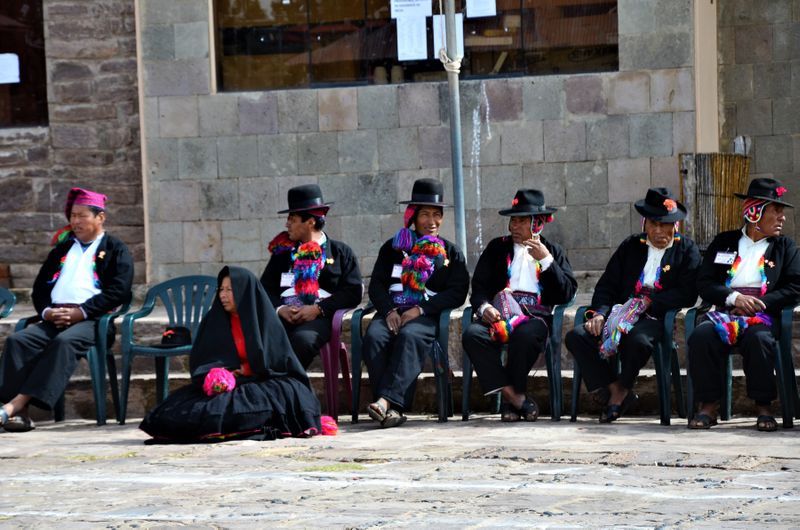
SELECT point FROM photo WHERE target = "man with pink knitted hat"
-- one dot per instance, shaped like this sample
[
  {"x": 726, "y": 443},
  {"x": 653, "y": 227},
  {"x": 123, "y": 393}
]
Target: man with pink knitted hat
[
  {"x": 87, "y": 274},
  {"x": 749, "y": 275}
]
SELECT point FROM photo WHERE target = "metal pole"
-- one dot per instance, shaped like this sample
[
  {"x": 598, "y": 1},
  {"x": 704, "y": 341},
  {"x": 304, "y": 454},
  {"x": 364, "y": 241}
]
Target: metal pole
[{"x": 455, "y": 129}]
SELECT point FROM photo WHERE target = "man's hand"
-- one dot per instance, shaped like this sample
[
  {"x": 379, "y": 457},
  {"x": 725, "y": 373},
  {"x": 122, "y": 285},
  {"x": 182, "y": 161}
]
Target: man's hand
[
  {"x": 287, "y": 313},
  {"x": 749, "y": 305},
  {"x": 536, "y": 248},
  {"x": 410, "y": 315},
  {"x": 394, "y": 322},
  {"x": 491, "y": 315},
  {"x": 594, "y": 326},
  {"x": 63, "y": 317},
  {"x": 306, "y": 313}
]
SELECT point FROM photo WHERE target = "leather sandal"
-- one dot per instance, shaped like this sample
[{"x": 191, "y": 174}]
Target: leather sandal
[
  {"x": 394, "y": 418},
  {"x": 19, "y": 424},
  {"x": 529, "y": 411},
  {"x": 702, "y": 420},
  {"x": 376, "y": 411},
  {"x": 766, "y": 423},
  {"x": 508, "y": 414},
  {"x": 615, "y": 412}
]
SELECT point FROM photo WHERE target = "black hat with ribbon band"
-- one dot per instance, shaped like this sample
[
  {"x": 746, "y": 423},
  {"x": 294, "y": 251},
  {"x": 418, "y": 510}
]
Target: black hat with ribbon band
[
  {"x": 305, "y": 198},
  {"x": 528, "y": 202},
  {"x": 427, "y": 192},
  {"x": 765, "y": 189},
  {"x": 659, "y": 205},
  {"x": 175, "y": 336}
]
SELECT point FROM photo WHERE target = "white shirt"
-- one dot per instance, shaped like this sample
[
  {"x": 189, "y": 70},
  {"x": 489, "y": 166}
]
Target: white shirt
[
  {"x": 654, "y": 256},
  {"x": 523, "y": 272},
  {"x": 75, "y": 283},
  {"x": 748, "y": 273}
]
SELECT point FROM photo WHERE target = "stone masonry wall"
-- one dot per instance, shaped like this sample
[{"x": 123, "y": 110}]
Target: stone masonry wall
[
  {"x": 219, "y": 165},
  {"x": 759, "y": 83},
  {"x": 92, "y": 139}
]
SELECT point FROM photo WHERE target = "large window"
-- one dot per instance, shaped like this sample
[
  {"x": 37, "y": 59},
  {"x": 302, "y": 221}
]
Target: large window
[
  {"x": 263, "y": 44},
  {"x": 23, "y": 79}
]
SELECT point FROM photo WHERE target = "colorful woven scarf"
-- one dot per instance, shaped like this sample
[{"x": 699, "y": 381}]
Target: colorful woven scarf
[
  {"x": 730, "y": 327},
  {"x": 620, "y": 321},
  {"x": 426, "y": 254},
  {"x": 735, "y": 268},
  {"x": 281, "y": 244},
  {"x": 307, "y": 264}
]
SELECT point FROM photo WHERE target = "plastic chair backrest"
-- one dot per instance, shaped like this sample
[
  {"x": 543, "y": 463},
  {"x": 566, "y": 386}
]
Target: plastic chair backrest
[
  {"x": 7, "y": 301},
  {"x": 186, "y": 299}
]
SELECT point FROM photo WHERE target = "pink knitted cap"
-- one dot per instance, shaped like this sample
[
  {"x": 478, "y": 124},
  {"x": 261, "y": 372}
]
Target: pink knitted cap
[{"x": 82, "y": 197}]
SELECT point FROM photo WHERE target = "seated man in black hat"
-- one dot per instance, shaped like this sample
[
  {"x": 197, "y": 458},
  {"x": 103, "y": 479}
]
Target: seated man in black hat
[
  {"x": 416, "y": 276},
  {"x": 649, "y": 274},
  {"x": 517, "y": 280},
  {"x": 87, "y": 274},
  {"x": 309, "y": 276},
  {"x": 749, "y": 275}
]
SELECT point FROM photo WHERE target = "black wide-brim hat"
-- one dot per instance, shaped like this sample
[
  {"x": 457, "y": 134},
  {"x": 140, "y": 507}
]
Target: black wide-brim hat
[
  {"x": 528, "y": 202},
  {"x": 427, "y": 192},
  {"x": 766, "y": 189},
  {"x": 304, "y": 198},
  {"x": 659, "y": 205}
]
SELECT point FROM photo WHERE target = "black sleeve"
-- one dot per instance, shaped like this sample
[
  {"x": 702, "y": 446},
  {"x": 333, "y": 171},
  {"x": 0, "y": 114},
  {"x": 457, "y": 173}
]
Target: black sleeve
[
  {"x": 381, "y": 280},
  {"x": 456, "y": 288},
  {"x": 41, "y": 289},
  {"x": 609, "y": 285},
  {"x": 709, "y": 282},
  {"x": 558, "y": 284},
  {"x": 685, "y": 293},
  {"x": 348, "y": 288},
  {"x": 788, "y": 290},
  {"x": 482, "y": 286},
  {"x": 116, "y": 281},
  {"x": 271, "y": 279}
]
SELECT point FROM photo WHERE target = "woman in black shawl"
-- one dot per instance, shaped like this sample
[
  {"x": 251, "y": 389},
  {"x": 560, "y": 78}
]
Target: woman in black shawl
[{"x": 272, "y": 397}]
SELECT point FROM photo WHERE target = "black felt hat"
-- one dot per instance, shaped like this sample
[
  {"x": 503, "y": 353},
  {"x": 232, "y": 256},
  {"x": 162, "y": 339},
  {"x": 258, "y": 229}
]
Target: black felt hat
[
  {"x": 427, "y": 192},
  {"x": 659, "y": 205},
  {"x": 527, "y": 202},
  {"x": 767, "y": 189},
  {"x": 175, "y": 336},
  {"x": 304, "y": 198}
]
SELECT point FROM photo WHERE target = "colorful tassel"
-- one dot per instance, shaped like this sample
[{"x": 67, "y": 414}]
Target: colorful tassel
[
  {"x": 730, "y": 327},
  {"x": 404, "y": 240},
  {"x": 501, "y": 330},
  {"x": 281, "y": 244},
  {"x": 308, "y": 263},
  {"x": 426, "y": 254},
  {"x": 63, "y": 234},
  {"x": 218, "y": 381},
  {"x": 329, "y": 426}
]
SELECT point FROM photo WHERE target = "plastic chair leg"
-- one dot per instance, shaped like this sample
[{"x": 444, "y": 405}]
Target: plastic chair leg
[
  {"x": 111, "y": 365},
  {"x": 440, "y": 370},
  {"x": 344, "y": 365},
  {"x": 553, "y": 363},
  {"x": 466, "y": 385},
  {"x": 125, "y": 386},
  {"x": 355, "y": 359},
  {"x": 662, "y": 382},
  {"x": 330, "y": 364},
  {"x": 727, "y": 390},
  {"x": 677, "y": 385},
  {"x": 576, "y": 392},
  {"x": 97, "y": 367}
]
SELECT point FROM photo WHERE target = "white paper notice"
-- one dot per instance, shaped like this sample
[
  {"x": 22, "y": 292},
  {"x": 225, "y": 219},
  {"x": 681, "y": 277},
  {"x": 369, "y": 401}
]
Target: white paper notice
[
  {"x": 481, "y": 8},
  {"x": 412, "y": 42},
  {"x": 438, "y": 41},
  {"x": 9, "y": 68},
  {"x": 411, "y": 8}
]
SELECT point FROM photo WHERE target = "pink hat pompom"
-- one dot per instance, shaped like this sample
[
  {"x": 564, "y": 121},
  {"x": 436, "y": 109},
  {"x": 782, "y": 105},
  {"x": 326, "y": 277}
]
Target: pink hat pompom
[
  {"x": 329, "y": 426},
  {"x": 219, "y": 380}
]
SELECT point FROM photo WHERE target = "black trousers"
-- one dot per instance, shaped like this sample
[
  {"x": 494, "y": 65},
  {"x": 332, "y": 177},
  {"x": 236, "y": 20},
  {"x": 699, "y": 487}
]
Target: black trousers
[
  {"x": 635, "y": 349},
  {"x": 395, "y": 361},
  {"x": 307, "y": 338},
  {"x": 40, "y": 359},
  {"x": 525, "y": 345},
  {"x": 707, "y": 362}
]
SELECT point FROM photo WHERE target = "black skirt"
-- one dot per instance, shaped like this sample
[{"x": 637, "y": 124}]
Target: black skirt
[{"x": 255, "y": 409}]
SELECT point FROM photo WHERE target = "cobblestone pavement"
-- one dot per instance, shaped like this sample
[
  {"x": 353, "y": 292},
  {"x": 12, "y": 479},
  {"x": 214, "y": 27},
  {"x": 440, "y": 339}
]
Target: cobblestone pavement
[{"x": 634, "y": 474}]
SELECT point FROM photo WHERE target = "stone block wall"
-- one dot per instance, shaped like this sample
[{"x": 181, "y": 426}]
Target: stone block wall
[
  {"x": 92, "y": 139},
  {"x": 759, "y": 84},
  {"x": 219, "y": 165}
]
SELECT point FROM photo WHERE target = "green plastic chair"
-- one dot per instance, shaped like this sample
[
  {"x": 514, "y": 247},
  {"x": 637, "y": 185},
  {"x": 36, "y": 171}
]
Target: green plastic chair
[
  {"x": 7, "y": 302},
  {"x": 784, "y": 368},
  {"x": 101, "y": 351},
  {"x": 552, "y": 356},
  {"x": 439, "y": 357},
  {"x": 665, "y": 359},
  {"x": 186, "y": 299}
]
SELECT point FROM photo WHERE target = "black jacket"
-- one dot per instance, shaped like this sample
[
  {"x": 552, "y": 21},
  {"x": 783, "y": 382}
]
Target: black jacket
[
  {"x": 341, "y": 278},
  {"x": 450, "y": 282},
  {"x": 678, "y": 274},
  {"x": 783, "y": 276},
  {"x": 557, "y": 283},
  {"x": 114, "y": 267}
]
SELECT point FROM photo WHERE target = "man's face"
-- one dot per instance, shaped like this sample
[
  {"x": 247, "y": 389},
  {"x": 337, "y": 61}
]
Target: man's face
[
  {"x": 519, "y": 226},
  {"x": 85, "y": 224},
  {"x": 428, "y": 221},
  {"x": 659, "y": 234},
  {"x": 772, "y": 219},
  {"x": 298, "y": 229}
]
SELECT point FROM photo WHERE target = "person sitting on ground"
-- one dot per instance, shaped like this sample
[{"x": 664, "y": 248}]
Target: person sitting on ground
[
  {"x": 246, "y": 382},
  {"x": 309, "y": 275},
  {"x": 649, "y": 274},
  {"x": 416, "y": 276},
  {"x": 517, "y": 280},
  {"x": 749, "y": 275},
  {"x": 88, "y": 274}
]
